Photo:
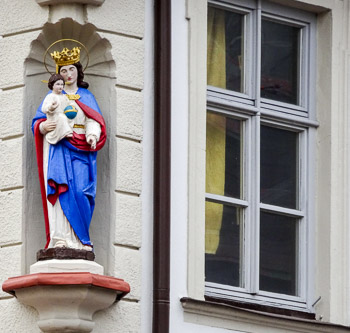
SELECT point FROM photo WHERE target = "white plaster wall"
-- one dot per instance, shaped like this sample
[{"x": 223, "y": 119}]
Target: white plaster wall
[
  {"x": 19, "y": 16},
  {"x": 17, "y": 318},
  {"x": 128, "y": 16},
  {"x": 147, "y": 174},
  {"x": 332, "y": 214},
  {"x": 18, "y": 22}
]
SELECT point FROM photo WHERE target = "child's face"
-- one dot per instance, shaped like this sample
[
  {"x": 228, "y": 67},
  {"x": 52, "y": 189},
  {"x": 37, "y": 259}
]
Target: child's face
[{"x": 58, "y": 87}]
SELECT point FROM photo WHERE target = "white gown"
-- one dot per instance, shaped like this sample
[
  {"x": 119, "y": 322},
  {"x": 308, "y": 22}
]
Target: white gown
[{"x": 63, "y": 124}]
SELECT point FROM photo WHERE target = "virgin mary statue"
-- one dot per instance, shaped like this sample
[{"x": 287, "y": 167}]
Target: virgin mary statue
[{"x": 67, "y": 169}]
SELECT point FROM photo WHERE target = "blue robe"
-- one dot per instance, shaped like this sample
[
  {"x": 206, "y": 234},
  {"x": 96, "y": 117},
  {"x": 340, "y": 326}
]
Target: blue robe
[{"x": 72, "y": 173}]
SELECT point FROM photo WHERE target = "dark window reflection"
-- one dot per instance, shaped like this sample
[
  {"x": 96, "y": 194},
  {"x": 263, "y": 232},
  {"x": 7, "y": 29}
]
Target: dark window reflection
[
  {"x": 233, "y": 158},
  {"x": 234, "y": 55},
  {"x": 279, "y": 62},
  {"x": 224, "y": 240},
  {"x": 278, "y": 167},
  {"x": 225, "y": 49},
  {"x": 278, "y": 254}
]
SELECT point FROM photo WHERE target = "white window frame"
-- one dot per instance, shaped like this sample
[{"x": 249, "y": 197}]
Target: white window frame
[
  {"x": 253, "y": 208},
  {"x": 245, "y": 106}
]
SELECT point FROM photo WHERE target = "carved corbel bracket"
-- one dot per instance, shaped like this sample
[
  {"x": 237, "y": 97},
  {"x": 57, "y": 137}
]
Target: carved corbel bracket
[{"x": 66, "y": 301}]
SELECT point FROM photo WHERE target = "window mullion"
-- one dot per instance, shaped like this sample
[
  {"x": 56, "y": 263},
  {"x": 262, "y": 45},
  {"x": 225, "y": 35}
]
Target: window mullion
[
  {"x": 257, "y": 52},
  {"x": 247, "y": 189},
  {"x": 254, "y": 239},
  {"x": 303, "y": 190}
]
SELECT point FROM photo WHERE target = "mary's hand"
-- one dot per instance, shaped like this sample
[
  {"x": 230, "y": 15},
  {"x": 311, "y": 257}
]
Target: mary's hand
[
  {"x": 48, "y": 126},
  {"x": 92, "y": 140}
]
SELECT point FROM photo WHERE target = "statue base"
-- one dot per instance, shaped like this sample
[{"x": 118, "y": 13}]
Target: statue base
[
  {"x": 64, "y": 253},
  {"x": 66, "y": 292},
  {"x": 66, "y": 302},
  {"x": 64, "y": 266}
]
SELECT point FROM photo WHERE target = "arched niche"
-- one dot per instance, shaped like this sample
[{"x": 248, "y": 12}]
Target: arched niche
[{"x": 100, "y": 74}]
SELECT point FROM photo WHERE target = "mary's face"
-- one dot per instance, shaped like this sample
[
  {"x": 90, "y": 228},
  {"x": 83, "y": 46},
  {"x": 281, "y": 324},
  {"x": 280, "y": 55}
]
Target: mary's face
[{"x": 70, "y": 74}]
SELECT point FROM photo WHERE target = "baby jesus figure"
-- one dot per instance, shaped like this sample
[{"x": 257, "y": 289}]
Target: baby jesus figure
[{"x": 53, "y": 106}]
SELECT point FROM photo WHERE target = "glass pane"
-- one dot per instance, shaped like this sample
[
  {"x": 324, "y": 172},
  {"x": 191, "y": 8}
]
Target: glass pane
[
  {"x": 278, "y": 253},
  {"x": 278, "y": 167},
  {"x": 223, "y": 156},
  {"x": 225, "y": 49},
  {"x": 279, "y": 62},
  {"x": 223, "y": 244}
]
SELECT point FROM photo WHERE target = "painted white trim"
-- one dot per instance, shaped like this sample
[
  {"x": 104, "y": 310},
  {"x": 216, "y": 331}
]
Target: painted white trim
[
  {"x": 281, "y": 210},
  {"x": 250, "y": 4},
  {"x": 226, "y": 200},
  {"x": 197, "y": 17}
]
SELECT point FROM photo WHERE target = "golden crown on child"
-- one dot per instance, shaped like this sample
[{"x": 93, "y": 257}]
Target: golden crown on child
[{"x": 66, "y": 56}]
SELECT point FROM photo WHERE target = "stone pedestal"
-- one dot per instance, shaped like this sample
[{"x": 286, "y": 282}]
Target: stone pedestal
[
  {"x": 66, "y": 266},
  {"x": 66, "y": 293},
  {"x": 59, "y": 2}
]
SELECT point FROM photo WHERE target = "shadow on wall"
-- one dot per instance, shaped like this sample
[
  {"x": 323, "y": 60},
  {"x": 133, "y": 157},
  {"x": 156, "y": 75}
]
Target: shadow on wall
[{"x": 100, "y": 75}]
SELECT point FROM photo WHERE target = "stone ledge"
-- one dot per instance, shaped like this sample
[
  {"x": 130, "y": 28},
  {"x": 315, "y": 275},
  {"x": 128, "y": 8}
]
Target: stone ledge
[
  {"x": 59, "y": 2},
  {"x": 59, "y": 279}
]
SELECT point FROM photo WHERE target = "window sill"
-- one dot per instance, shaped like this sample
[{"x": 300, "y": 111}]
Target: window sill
[
  {"x": 236, "y": 317},
  {"x": 263, "y": 308},
  {"x": 263, "y": 301}
]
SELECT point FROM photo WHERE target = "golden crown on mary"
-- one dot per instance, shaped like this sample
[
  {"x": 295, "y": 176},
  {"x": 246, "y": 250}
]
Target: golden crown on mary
[{"x": 66, "y": 57}]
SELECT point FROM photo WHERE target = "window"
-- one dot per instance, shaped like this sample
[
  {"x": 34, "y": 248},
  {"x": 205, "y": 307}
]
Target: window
[{"x": 259, "y": 146}]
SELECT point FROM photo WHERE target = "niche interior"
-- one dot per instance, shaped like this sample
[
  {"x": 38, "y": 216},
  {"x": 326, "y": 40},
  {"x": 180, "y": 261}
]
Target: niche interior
[{"x": 101, "y": 76}]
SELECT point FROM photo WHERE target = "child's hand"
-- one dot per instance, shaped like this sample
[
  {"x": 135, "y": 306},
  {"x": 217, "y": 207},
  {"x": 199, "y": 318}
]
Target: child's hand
[{"x": 53, "y": 105}]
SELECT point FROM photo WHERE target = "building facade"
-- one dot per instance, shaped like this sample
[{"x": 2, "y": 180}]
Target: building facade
[{"x": 223, "y": 189}]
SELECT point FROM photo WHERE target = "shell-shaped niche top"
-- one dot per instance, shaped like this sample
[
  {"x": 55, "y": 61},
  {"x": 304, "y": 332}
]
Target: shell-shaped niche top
[{"x": 101, "y": 62}]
